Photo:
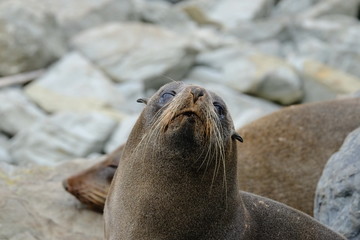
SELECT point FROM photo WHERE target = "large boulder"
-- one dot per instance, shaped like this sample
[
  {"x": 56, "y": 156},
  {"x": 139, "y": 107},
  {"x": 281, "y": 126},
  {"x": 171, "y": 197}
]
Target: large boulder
[
  {"x": 337, "y": 200},
  {"x": 75, "y": 84},
  {"x": 62, "y": 137},
  {"x": 137, "y": 52},
  {"x": 17, "y": 112},
  {"x": 34, "y": 205},
  {"x": 29, "y": 37}
]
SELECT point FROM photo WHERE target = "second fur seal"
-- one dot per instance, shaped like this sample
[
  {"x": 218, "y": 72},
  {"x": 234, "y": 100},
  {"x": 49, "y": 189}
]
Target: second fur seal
[{"x": 177, "y": 178}]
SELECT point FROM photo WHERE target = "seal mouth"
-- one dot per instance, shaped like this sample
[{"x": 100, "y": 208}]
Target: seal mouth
[{"x": 187, "y": 113}]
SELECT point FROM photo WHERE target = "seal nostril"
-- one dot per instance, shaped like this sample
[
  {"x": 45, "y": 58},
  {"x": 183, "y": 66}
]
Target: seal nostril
[{"x": 197, "y": 93}]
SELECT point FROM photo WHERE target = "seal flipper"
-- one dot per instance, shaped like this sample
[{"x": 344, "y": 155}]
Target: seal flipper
[{"x": 236, "y": 136}]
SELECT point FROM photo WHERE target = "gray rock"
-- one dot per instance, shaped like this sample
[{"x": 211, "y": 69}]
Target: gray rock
[
  {"x": 121, "y": 133},
  {"x": 74, "y": 16},
  {"x": 291, "y": 7},
  {"x": 75, "y": 84},
  {"x": 4, "y": 153},
  {"x": 227, "y": 12},
  {"x": 166, "y": 15},
  {"x": 322, "y": 82},
  {"x": 282, "y": 85},
  {"x": 123, "y": 51},
  {"x": 262, "y": 30},
  {"x": 61, "y": 137},
  {"x": 34, "y": 205},
  {"x": 17, "y": 112},
  {"x": 252, "y": 72},
  {"x": 332, "y": 40},
  {"x": 29, "y": 37},
  {"x": 337, "y": 200},
  {"x": 332, "y": 7},
  {"x": 131, "y": 91}
]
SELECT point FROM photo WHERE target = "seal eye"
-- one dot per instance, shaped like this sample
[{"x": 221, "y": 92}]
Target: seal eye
[
  {"x": 220, "y": 110},
  {"x": 166, "y": 97}
]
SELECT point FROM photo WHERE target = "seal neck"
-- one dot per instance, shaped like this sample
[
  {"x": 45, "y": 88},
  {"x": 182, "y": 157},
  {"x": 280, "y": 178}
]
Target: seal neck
[{"x": 169, "y": 198}]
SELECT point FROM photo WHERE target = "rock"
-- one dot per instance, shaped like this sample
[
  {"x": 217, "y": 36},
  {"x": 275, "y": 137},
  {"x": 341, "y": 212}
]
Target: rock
[
  {"x": 261, "y": 30},
  {"x": 282, "y": 85},
  {"x": 4, "y": 153},
  {"x": 29, "y": 37},
  {"x": 332, "y": 40},
  {"x": 323, "y": 82},
  {"x": 243, "y": 108},
  {"x": 34, "y": 205},
  {"x": 337, "y": 200},
  {"x": 166, "y": 15},
  {"x": 121, "y": 133},
  {"x": 131, "y": 91},
  {"x": 123, "y": 51},
  {"x": 255, "y": 73},
  {"x": 17, "y": 112},
  {"x": 74, "y": 16},
  {"x": 61, "y": 137},
  {"x": 75, "y": 84},
  {"x": 227, "y": 12},
  {"x": 332, "y": 7},
  {"x": 292, "y": 7}
]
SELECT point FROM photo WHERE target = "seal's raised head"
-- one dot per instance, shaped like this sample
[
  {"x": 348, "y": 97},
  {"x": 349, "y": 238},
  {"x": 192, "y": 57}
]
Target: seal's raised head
[{"x": 184, "y": 119}]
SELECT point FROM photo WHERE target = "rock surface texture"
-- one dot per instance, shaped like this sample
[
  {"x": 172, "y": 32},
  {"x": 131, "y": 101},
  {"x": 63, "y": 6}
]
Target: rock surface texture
[
  {"x": 337, "y": 200},
  {"x": 37, "y": 207},
  {"x": 61, "y": 137}
]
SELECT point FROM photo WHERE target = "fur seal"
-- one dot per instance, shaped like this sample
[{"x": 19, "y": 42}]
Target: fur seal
[
  {"x": 177, "y": 178},
  {"x": 276, "y": 160}
]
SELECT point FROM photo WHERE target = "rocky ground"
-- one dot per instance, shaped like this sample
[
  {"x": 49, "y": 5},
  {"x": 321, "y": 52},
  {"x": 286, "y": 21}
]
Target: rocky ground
[{"x": 93, "y": 59}]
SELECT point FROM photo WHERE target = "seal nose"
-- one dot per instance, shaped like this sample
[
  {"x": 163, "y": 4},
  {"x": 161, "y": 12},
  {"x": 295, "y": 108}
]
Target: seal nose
[{"x": 197, "y": 93}]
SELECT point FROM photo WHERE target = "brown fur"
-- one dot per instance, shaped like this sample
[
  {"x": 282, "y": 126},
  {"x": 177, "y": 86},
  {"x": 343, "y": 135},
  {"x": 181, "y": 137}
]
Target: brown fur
[
  {"x": 283, "y": 154},
  {"x": 177, "y": 179}
]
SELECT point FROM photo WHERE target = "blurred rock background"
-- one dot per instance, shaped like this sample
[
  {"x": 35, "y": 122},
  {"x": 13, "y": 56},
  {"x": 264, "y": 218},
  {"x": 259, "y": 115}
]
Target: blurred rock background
[{"x": 71, "y": 71}]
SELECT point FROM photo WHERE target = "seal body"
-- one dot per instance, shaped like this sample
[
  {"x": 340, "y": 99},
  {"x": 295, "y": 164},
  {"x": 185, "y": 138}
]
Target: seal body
[
  {"x": 177, "y": 178},
  {"x": 285, "y": 152}
]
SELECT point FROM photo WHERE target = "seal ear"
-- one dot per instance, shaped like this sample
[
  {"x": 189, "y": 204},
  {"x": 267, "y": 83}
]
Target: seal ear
[
  {"x": 142, "y": 100},
  {"x": 236, "y": 136}
]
